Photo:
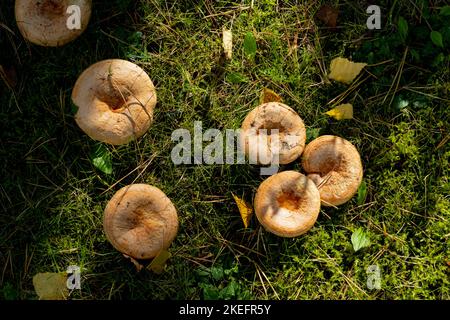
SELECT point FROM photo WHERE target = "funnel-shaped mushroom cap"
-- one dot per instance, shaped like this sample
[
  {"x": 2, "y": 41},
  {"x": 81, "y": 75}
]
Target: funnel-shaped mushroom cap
[
  {"x": 287, "y": 204},
  {"x": 334, "y": 164},
  {"x": 115, "y": 100},
  {"x": 140, "y": 221},
  {"x": 258, "y": 137},
  {"x": 52, "y": 23}
]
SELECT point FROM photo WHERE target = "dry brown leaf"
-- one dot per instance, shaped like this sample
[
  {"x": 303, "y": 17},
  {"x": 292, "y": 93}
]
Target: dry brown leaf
[{"x": 328, "y": 15}]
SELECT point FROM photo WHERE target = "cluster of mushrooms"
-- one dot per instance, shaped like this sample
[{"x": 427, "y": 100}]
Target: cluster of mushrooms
[
  {"x": 288, "y": 203},
  {"x": 116, "y": 99}
]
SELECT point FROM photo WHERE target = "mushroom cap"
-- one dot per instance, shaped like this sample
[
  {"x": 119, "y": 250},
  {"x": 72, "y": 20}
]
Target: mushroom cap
[
  {"x": 287, "y": 204},
  {"x": 334, "y": 164},
  {"x": 115, "y": 100},
  {"x": 258, "y": 145},
  {"x": 140, "y": 221},
  {"x": 44, "y": 22}
]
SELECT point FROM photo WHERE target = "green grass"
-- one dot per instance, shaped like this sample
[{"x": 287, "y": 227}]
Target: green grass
[{"x": 52, "y": 197}]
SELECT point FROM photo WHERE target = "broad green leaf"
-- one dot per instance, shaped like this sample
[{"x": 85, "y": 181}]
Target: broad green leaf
[
  {"x": 217, "y": 273},
  {"x": 341, "y": 112},
  {"x": 236, "y": 77},
  {"x": 360, "y": 239},
  {"x": 345, "y": 71},
  {"x": 268, "y": 95},
  {"x": 203, "y": 271},
  {"x": 445, "y": 11},
  {"x": 233, "y": 270},
  {"x": 250, "y": 45},
  {"x": 402, "y": 28},
  {"x": 245, "y": 210},
  {"x": 436, "y": 37},
  {"x": 51, "y": 286},
  {"x": 101, "y": 159},
  {"x": 230, "y": 290},
  {"x": 362, "y": 193},
  {"x": 210, "y": 292},
  {"x": 159, "y": 262}
]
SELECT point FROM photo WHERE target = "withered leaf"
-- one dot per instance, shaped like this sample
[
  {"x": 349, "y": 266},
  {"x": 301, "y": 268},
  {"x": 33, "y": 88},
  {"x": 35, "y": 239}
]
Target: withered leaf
[
  {"x": 328, "y": 15},
  {"x": 341, "y": 112},
  {"x": 268, "y": 95},
  {"x": 51, "y": 286},
  {"x": 158, "y": 263},
  {"x": 227, "y": 43},
  {"x": 245, "y": 210}
]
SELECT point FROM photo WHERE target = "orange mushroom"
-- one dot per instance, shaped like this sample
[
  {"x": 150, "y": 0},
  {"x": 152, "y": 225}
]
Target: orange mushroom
[
  {"x": 115, "y": 100},
  {"x": 45, "y": 22},
  {"x": 334, "y": 164},
  {"x": 287, "y": 204},
  {"x": 140, "y": 221},
  {"x": 257, "y": 133}
]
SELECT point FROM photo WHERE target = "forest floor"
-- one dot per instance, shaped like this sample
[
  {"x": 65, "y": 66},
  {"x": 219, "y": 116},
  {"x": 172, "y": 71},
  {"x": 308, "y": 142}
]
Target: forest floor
[{"x": 53, "y": 197}]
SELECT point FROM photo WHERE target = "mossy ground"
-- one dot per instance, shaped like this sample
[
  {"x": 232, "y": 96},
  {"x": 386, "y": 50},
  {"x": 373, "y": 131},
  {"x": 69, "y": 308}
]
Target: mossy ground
[{"x": 53, "y": 197}]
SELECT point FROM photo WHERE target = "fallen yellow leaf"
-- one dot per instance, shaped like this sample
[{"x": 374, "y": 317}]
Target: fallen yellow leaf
[
  {"x": 159, "y": 262},
  {"x": 227, "y": 38},
  {"x": 341, "y": 112},
  {"x": 51, "y": 286},
  {"x": 245, "y": 210},
  {"x": 268, "y": 95},
  {"x": 345, "y": 71}
]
